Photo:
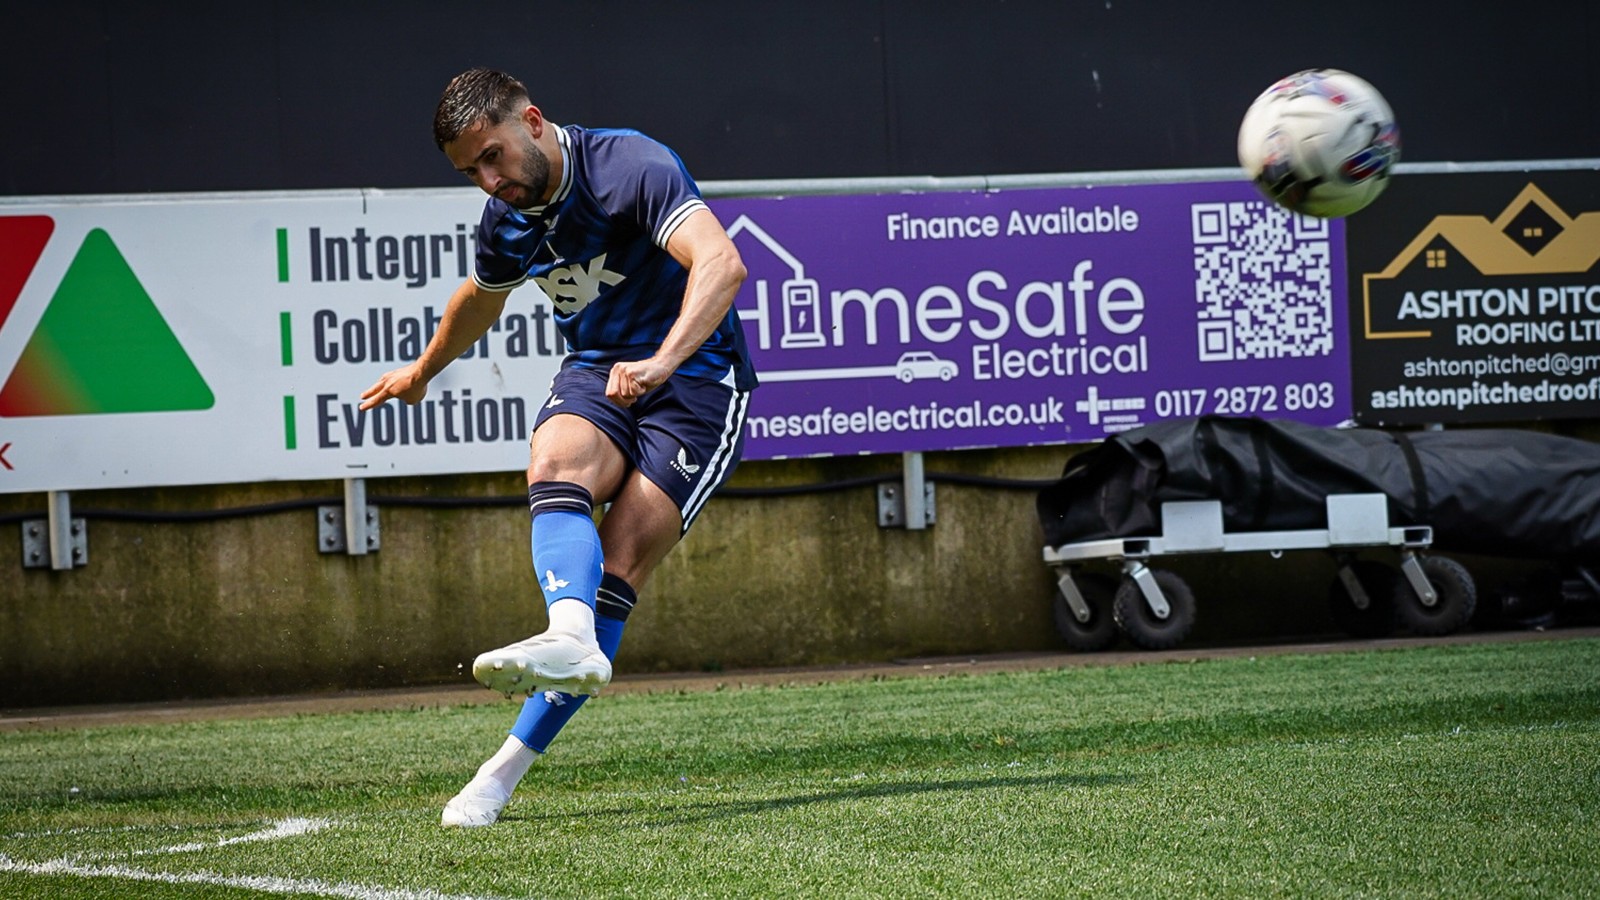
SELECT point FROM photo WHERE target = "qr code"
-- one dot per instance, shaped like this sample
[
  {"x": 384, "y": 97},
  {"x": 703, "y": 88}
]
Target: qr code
[{"x": 1263, "y": 282}]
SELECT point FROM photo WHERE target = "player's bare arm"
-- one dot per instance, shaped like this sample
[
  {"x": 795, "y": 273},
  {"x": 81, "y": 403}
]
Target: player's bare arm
[
  {"x": 715, "y": 273},
  {"x": 472, "y": 311}
]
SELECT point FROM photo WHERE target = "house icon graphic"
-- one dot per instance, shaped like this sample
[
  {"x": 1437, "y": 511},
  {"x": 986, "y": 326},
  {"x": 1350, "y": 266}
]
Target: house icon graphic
[
  {"x": 802, "y": 300},
  {"x": 1532, "y": 236},
  {"x": 801, "y": 324}
]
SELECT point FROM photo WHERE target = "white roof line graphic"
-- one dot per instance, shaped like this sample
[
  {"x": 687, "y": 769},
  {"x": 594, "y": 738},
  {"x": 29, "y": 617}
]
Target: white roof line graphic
[{"x": 743, "y": 223}]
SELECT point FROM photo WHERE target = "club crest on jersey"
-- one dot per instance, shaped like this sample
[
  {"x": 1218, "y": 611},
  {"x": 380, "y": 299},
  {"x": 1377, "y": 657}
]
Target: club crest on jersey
[{"x": 573, "y": 287}]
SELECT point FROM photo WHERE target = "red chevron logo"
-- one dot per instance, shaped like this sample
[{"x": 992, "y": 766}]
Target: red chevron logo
[{"x": 22, "y": 239}]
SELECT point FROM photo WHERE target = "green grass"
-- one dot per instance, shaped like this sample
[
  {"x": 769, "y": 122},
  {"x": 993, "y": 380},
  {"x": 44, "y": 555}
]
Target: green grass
[{"x": 1461, "y": 771}]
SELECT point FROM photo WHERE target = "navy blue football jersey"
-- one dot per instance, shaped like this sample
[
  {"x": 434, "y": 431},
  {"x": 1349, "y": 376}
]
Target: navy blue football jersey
[{"x": 598, "y": 251}]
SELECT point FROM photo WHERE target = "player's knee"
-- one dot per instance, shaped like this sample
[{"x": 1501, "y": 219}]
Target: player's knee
[{"x": 544, "y": 469}]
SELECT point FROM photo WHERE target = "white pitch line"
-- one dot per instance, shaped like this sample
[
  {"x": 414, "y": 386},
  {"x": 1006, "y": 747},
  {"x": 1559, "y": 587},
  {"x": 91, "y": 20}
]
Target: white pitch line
[
  {"x": 125, "y": 829},
  {"x": 283, "y": 829},
  {"x": 76, "y": 866},
  {"x": 266, "y": 884}
]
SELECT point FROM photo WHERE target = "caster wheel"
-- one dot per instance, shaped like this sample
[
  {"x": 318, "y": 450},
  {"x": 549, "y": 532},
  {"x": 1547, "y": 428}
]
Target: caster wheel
[
  {"x": 1100, "y": 631},
  {"x": 1141, "y": 625},
  {"x": 1456, "y": 596}
]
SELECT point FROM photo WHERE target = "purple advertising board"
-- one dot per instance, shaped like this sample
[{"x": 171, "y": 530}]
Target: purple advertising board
[{"x": 938, "y": 321}]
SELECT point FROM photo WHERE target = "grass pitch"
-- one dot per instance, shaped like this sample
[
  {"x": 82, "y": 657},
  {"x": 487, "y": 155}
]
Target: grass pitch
[{"x": 1450, "y": 771}]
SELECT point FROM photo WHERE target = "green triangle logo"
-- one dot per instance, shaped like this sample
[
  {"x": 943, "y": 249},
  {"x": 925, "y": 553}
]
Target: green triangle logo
[{"x": 102, "y": 347}]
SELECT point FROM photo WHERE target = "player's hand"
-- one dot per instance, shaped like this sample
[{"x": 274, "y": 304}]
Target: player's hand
[
  {"x": 406, "y": 383},
  {"x": 631, "y": 380}
]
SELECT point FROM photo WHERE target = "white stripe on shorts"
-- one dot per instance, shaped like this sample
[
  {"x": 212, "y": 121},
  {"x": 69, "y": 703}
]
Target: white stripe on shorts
[{"x": 721, "y": 461}]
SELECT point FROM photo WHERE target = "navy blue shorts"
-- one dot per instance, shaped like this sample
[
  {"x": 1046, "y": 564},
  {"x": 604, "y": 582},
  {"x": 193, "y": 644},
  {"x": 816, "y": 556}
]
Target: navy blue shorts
[{"x": 686, "y": 435}]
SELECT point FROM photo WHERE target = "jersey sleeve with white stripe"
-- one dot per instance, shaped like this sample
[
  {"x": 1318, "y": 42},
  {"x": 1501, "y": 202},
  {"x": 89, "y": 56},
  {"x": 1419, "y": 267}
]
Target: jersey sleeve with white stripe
[
  {"x": 635, "y": 178},
  {"x": 597, "y": 251}
]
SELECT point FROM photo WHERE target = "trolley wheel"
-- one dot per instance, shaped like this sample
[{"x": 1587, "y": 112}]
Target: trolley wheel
[
  {"x": 1100, "y": 631},
  {"x": 1456, "y": 592},
  {"x": 1141, "y": 625},
  {"x": 1379, "y": 582}
]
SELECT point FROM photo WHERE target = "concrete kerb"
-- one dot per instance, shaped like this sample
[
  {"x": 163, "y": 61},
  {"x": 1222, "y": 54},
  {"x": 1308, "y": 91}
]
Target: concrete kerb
[{"x": 75, "y": 717}]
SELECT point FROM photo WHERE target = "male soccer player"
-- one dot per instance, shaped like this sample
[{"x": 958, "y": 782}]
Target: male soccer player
[{"x": 647, "y": 412}]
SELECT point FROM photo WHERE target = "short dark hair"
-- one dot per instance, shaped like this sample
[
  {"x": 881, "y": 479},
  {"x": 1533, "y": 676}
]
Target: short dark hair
[{"x": 477, "y": 95}]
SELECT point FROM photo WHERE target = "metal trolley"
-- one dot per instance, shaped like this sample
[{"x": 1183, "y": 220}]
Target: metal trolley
[{"x": 1155, "y": 608}]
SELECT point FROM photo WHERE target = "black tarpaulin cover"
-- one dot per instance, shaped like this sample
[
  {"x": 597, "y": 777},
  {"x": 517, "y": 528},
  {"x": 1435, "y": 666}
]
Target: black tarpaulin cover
[{"x": 1497, "y": 492}]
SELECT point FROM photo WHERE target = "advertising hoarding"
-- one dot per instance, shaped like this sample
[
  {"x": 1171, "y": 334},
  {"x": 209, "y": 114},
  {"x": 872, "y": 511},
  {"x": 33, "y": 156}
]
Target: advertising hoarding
[
  {"x": 208, "y": 339},
  {"x": 215, "y": 340},
  {"x": 913, "y": 322},
  {"x": 1476, "y": 298}
]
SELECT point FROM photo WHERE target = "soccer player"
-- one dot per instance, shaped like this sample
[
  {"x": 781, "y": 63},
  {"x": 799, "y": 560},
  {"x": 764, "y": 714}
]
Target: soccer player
[{"x": 647, "y": 412}]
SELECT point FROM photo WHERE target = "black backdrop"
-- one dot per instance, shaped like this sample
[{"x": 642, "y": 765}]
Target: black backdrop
[{"x": 109, "y": 96}]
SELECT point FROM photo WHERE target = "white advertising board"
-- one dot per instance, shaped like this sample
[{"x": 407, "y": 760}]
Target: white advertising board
[{"x": 200, "y": 340}]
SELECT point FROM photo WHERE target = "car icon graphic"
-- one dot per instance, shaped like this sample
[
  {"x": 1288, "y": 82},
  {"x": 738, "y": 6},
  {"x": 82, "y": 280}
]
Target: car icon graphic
[{"x": 922, "y": 364}]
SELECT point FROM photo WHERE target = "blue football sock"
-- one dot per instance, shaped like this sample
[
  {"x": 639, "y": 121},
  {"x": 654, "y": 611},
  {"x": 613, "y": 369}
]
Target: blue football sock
[
  {"x": 567, "y": 557},
  {"x": 543, "y": 715}
]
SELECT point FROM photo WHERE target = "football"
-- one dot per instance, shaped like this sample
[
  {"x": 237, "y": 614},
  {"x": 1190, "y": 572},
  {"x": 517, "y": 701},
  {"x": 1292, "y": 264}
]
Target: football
[{"x": 1320, "y": 142}]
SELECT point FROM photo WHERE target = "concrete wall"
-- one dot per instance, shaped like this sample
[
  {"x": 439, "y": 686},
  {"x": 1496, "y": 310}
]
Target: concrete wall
[{"x": 247, "y": 606}]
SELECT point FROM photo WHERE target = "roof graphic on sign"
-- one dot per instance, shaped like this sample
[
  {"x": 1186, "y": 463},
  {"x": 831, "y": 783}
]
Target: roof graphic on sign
[
  {"x": 1531, "y": 236},
  {"x": 101, "y": 346}
]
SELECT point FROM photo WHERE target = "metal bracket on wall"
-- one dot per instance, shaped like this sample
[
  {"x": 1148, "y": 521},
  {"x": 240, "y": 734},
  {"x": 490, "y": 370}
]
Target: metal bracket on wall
[
  {"x": 59, "y": 542},
  {"x": 908, "y": 504},
  {"x": 352, "y": 528}
]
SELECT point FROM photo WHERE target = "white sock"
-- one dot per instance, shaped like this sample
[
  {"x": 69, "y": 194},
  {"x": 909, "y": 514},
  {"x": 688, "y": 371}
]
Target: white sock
[
  {"x": 507, "y": 766},
  {"x": 574, "y": 617}
]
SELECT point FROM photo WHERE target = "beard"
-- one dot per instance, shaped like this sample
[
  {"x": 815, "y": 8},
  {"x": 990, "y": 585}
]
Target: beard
[{"x": 533, "y": 180}]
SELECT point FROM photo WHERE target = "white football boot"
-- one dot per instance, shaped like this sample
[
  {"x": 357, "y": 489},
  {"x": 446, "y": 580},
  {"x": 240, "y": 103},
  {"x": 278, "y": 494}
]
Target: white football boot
[
  {"x": 552, "y": 661},
  {"x": 478, "y": 804}
]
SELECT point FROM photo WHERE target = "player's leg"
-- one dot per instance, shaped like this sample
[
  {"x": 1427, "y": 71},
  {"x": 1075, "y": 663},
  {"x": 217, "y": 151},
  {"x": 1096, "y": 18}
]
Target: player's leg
[
  {"x": 572, "y": 461},
  {"x": 576, "y": 460},
  {"x": 642, "y": 526},
  {"x": 690, "y": 444},
  {"x": 638, "y": 530},
  {"x": 542, "y": 717}
]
